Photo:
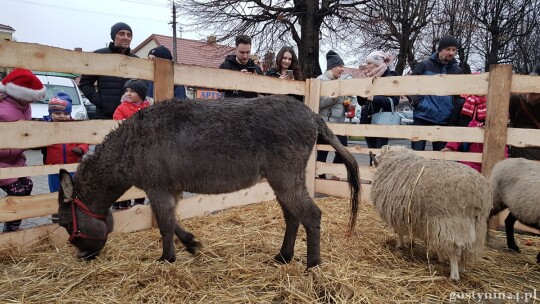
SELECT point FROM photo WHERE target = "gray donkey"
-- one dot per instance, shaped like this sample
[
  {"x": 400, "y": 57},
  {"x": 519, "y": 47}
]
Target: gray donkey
[{"x": 203, "y": 147}]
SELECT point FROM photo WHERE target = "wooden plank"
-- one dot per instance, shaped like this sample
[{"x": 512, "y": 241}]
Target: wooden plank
[
  {"x": 341, "y": 189},
  {"x": 197, "y": 76},
  {"x": 408, "y": 85},
  {"x": 339, "y": 170},
  {"x": 523, "y": 137},
  {"x": 52, "y": 59},
  {"x": 163, "y": 79},
  {"x": 500, "y": 81},
  {"x": 431, "y": 133},
  {"x": 34, "y": 134},
  {"x": 312, "y": 100},
  {"x": 22, "y": 207},
  {"x": 454, "y": 156},
  {"x": 35, "y": 170},
  {"x": 525, "y": 84},
  {"x": 25, "y": 240}
]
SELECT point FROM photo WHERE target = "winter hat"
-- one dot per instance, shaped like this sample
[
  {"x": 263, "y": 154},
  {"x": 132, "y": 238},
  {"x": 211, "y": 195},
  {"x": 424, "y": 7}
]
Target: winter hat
[
  {"x": 137, "y": 85},
  {"x": 23, "y": 85},
  {"x": 161, "y": 52},
  {"x": 61, "y": 102},
  {"x": 118, "y": 27},
  {"x": 333, "y": 60},
  {"x": 381, "y": 60},
  {"x": 447, "y": 41}
]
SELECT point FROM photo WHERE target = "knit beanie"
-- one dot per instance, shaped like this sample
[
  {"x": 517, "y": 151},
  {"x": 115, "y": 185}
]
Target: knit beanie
[
  {"x": 118, "y": 27},
  {"x": 23, "y": 85},
  {"x": 447, "y": 41},
  {"x": 137, "y": 85},
  {"x": 161, "y": 52},
  {"x": 333, "y": 60},
  {"x": 61, "y": 102}
]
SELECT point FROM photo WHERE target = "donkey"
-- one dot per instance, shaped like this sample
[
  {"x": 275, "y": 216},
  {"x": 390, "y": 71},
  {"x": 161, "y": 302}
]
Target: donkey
[{"x": 203, "y": 147}]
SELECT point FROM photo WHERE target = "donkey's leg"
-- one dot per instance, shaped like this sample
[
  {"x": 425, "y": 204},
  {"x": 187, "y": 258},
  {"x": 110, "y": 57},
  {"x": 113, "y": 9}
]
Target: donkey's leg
[
  {"x": 186, "y": 237},
  {"x": 292, "y": 224},
  {"x": 291, "y": 192},
  {"x": 163, "y": 205}
]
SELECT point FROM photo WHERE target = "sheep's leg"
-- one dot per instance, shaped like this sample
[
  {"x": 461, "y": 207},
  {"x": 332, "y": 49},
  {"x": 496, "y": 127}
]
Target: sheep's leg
[
  {"x": 463, "y": 263},
  {"x": 399, "y": 243},
  {"x": 454, "y": 268},
  {"x": 509, "y": 226},
  {"x": 163, "y": 205}
]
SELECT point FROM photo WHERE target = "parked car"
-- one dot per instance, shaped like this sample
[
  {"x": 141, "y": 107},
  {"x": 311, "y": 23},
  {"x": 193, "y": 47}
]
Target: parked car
[{"x": 53, "y": 85}]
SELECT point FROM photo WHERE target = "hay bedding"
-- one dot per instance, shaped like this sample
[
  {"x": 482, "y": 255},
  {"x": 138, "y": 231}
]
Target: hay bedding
[{"x": 235, "y": 266}]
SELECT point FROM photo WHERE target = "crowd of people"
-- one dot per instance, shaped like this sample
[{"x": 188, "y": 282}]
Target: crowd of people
[{"x": 119, "y": 98}]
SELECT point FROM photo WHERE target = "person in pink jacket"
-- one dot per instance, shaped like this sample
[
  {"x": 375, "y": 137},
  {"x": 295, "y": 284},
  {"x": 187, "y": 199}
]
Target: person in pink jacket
[{"x": 17, "y": 91}]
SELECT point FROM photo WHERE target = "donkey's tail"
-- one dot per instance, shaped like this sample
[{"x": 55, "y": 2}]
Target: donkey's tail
[{"x": 353, "y": 175}]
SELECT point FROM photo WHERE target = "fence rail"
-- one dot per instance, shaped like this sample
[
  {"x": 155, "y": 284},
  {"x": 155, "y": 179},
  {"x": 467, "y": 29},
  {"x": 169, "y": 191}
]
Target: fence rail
[{"x": 497, "y": 85}]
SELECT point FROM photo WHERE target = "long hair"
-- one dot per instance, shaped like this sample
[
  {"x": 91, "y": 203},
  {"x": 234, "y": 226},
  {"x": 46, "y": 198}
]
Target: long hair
[{"x": 295, "y": 66}]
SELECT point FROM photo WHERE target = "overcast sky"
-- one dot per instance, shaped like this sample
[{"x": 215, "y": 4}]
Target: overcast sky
[{"x": 86, "y": 23}]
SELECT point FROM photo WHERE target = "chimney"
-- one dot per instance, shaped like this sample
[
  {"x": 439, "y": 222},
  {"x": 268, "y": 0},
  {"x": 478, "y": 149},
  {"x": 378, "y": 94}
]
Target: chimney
[{"x": 211, "y": 39}]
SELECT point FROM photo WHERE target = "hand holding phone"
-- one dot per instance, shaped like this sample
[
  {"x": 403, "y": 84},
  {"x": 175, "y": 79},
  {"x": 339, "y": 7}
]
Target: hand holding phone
[
  {"x": 289, "y": 73},
  {"x": 251, "y": 69}
]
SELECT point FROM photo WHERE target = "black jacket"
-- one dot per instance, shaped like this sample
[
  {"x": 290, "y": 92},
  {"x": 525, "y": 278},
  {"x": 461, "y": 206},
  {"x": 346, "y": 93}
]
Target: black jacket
[
  {"x": 379, "y": 102},
  {"x": 109, "y": 88},
  {"x": 230, "y": 63}
]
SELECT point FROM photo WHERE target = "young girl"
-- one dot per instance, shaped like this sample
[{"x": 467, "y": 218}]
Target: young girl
[
  {"x": 286, "y": 59},
  {"x": 134, "y": 99},
  {"x": 17, "y": 91}
]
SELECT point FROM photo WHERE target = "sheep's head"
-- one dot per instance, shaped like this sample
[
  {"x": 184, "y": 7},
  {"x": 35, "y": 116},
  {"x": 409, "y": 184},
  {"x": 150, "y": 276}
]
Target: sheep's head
[{"x": 387, "y": 151}]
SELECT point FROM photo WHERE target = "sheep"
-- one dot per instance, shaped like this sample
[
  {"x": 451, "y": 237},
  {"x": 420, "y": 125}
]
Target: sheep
[
  {"x": 516, "y": 186},
  {"x": 444, "y": 203}
]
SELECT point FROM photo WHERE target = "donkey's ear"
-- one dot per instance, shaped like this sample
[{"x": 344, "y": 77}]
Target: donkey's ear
[{"x": 65, "y": 193}]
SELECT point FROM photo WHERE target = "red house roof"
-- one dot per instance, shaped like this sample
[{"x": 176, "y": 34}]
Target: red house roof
[{"x": 193, "y": 52}]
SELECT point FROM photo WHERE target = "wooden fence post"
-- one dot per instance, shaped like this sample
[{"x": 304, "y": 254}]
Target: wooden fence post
[
  {"x": 500, "y": 82},
  {"x": 163, "y": 79},
  {"x": 312, "y": 97}
]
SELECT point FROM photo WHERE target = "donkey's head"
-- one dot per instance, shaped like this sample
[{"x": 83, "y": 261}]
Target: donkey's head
[{"x": 87, "y": 229}]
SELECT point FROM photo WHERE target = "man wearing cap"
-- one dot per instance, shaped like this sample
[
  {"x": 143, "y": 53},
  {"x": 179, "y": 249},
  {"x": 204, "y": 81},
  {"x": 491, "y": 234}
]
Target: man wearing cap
[
  {"x": 109, "y": 88},
  {"x": 432, "y": 110},
  {"x": 332, "y": 109},
  {"x": 164, "y": 53}
]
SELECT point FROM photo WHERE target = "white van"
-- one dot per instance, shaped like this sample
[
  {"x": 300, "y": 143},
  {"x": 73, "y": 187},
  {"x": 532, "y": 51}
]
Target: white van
[{"x": 53, "y": 85}]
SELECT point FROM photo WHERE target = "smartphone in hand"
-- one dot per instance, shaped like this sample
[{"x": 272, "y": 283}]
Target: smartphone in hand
[
  {"x": 289, "y": 73},
  {"x": 251, "y": 69}
]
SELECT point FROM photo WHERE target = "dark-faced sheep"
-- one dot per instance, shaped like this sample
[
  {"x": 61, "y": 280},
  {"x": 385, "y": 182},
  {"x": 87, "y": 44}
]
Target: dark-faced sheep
[
  {"x": 516, "y": 186},
  {"x": 446, "y": 204}
]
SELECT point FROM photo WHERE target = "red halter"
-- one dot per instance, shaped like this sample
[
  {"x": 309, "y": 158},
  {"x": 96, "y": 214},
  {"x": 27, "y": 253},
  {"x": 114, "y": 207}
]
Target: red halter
[{"x": 76, "y": 233}]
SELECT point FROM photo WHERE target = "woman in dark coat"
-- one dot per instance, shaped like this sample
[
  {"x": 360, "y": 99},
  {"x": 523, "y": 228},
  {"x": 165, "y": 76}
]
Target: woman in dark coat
[
  {"x": 286, "y": 59},
  {"x": 376, "y": 65}
]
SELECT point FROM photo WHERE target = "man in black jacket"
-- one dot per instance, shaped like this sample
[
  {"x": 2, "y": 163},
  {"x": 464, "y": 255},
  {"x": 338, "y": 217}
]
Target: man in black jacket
[
  {"x": 109, "y": 89},
  {"x": 242, "y": 62}
]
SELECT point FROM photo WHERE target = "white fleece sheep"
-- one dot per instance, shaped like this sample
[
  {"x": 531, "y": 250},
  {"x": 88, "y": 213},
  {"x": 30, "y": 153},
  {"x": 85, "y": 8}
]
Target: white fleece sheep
[
  {"x": 516, "y": 186},
  {"x": 444, "y": 203}
]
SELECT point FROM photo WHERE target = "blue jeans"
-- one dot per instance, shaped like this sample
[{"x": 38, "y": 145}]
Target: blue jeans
[{"x": 420, "y": 145}]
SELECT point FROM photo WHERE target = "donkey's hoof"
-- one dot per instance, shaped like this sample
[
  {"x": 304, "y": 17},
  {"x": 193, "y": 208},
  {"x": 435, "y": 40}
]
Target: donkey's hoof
[
  {"x": 192, "y": 246},
  {"x": 282, "y": 259},
  {"x": 514, "y": 248},
  {"x": 315, "y": 263},
  {"x": 170, "y": 259}
]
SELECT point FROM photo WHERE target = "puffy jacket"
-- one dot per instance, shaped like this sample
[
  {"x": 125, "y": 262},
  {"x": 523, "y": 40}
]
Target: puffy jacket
[
  {"x": 230, "y": 63},
  {"x": 61, "y": 154},
  {"x": 109, "y": 88},
  {"x": 379, "y": 102},
  {"x": 432, "y": 108},
  {"x": 331, "y": 109},
  {"x": 127, "y": 109},
  {"x": 10, "y": 110}
]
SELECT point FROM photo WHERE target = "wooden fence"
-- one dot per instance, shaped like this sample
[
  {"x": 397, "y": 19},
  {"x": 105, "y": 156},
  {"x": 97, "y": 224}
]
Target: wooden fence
[{"x": 497, "y": 85}]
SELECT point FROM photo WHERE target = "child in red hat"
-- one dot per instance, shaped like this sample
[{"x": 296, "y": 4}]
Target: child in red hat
[{"x": 17, "y": 91}]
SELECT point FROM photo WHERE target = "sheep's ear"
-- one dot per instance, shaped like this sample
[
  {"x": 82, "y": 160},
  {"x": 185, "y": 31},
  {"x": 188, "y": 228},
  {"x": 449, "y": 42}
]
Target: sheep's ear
[
  {"x": 65, "y": 194},
  {"x": 373, "y": 159}
]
